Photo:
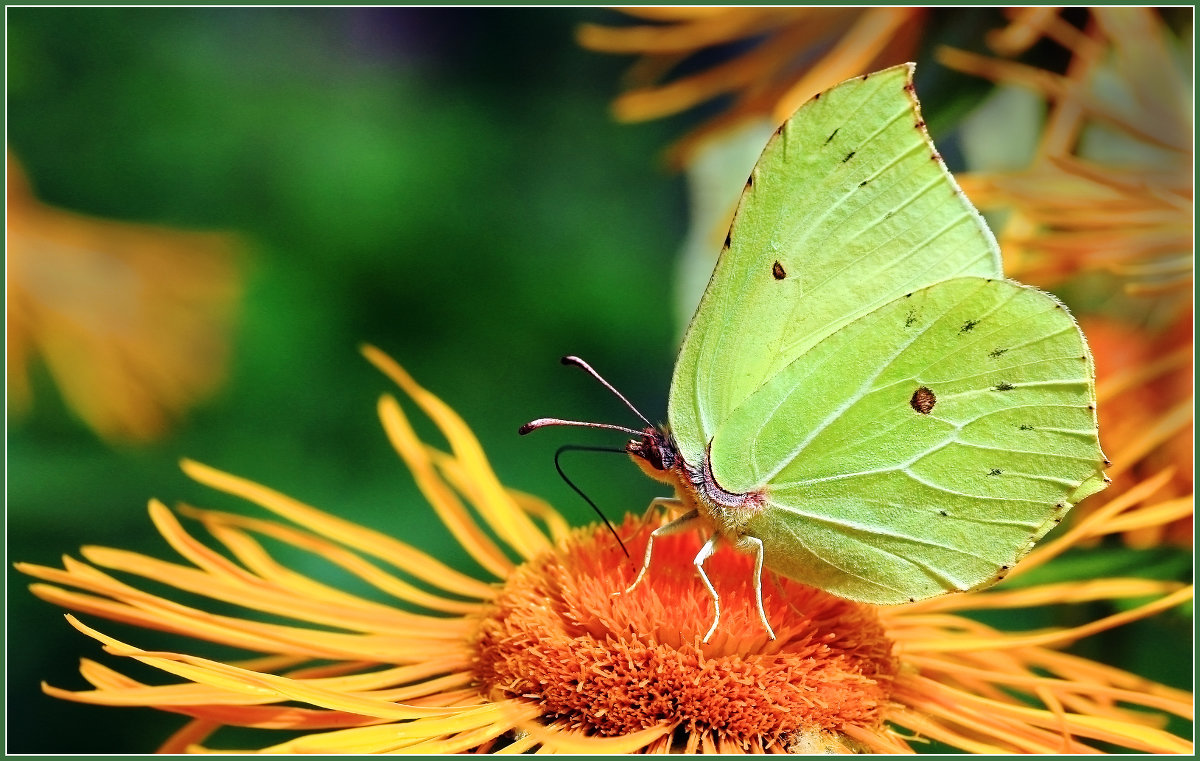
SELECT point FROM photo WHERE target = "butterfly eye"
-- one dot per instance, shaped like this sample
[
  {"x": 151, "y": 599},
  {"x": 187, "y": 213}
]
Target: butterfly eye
[{"x": 655, "y": 449}]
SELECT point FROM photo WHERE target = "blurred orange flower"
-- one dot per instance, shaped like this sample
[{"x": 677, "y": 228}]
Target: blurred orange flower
[
  {"x": 131, "y": 320},
  {"x": 774, "y": 59},
  {"x": 1109, "y": 188},
  {"x": 1146, "y": 414},
  {"x": 1103, "y": 213},
  {"x": 542, "y": 655}
]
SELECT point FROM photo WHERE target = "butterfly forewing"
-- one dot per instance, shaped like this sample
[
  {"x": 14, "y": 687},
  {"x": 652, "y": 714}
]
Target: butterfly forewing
[
  {"x": 848, "y": 208},
  {"x": 922, "y": 448}
]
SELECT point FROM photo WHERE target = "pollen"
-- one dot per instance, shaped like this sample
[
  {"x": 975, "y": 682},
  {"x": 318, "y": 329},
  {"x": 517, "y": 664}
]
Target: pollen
[{"x": 611, "y": 664}]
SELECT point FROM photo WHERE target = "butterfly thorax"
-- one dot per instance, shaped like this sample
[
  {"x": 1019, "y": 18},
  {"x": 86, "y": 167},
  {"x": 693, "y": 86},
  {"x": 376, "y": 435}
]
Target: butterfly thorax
[{"x": 695, "y": 485}]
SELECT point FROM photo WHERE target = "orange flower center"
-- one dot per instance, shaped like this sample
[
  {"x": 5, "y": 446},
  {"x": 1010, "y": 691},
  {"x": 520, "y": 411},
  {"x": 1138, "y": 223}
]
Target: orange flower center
[{"x": 613, "y": 664}]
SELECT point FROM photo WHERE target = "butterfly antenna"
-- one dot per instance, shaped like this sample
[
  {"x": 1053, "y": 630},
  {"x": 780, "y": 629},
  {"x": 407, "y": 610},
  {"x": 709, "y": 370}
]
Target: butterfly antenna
[
  {"x": 586, "y": 498},
  {"x": 571, "y": 360},
  {"x": 542, "y": 422}
]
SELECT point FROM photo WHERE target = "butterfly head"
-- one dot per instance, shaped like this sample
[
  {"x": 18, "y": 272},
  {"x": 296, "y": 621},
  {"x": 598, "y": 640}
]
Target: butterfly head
[
  {"x": 653, "y": 449},
  {"x": 655, "y": 453}
]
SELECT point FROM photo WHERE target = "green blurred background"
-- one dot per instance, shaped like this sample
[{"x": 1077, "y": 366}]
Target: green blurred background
[{"x": 446, "y": 184}]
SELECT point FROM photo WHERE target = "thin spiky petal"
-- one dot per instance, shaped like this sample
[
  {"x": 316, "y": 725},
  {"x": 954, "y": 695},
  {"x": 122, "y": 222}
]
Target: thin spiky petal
[
  {"x": 495, "y": 506},
  {"x": 784, "y": 56},
  {"x": 360, "y": 538}
]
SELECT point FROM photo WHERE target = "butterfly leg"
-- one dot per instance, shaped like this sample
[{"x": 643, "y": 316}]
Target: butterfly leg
[
  {"x": 704, "y": 554},
  {"x": 682, "y": 523},
  {"x": 753, "y": 544},
  {"x": 660, "y": 502}
]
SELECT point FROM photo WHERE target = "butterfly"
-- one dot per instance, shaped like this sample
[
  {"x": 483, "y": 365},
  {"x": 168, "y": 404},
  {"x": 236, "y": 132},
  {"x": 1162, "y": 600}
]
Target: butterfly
[{"x": 862, "y": 401}]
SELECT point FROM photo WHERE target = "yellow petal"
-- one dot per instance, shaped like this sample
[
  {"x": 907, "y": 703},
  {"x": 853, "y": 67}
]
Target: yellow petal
[
  {"x": 497, "y": 509},
  {"x": 361, "y": 538}
]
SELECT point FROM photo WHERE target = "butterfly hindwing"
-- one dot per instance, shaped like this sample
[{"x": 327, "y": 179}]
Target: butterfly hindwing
[
  {"x": 923, "y": 447},
  {"x": 848, "y": 208}
]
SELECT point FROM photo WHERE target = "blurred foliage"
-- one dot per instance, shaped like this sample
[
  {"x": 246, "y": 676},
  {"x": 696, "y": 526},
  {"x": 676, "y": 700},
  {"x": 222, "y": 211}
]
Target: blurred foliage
[{"x": 443, "y": 183}]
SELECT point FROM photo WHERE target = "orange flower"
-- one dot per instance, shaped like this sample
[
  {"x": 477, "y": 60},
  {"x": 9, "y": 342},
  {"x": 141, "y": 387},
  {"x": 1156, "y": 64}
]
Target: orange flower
[
  {"x": 131, "y": 320},
  {"x": 784, "y": 57},
  {"x": 543, "y": 655}
]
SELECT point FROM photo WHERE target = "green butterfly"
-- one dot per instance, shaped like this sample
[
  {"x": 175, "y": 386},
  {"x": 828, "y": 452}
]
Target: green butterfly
[{"x": 862, "y": 400}]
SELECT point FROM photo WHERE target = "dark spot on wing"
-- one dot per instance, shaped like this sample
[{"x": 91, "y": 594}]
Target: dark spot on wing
[
  {"x": 777, "y": 271},
  {"x": 1025, "y": 427},
  {"x": 909, "y": 87},
  {"x": 864, "y": 76},
  {"x": 864, "y": 182},
  {"x": 911, "y": 317},
  {"x": 935, "y": 156},
  {"x": 968, "y": 326},
  {"x": 728, "y": 240},
  {"x": 995, "y": 472},
  {"x": 817, "y": 96},
  {"x": 997, "y": 353},
  {"x": 920, "y": 124},
  {"x": 750, "y": 181},
  {"x": 1003, "y": 387},
  {"x": 943, "y": 512},
  {"x": 849, "y": 156},
  {"x": 831, "y": 134},
  {"x": 922, "y": 400}
]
